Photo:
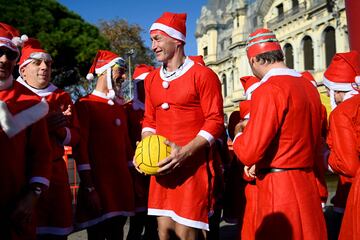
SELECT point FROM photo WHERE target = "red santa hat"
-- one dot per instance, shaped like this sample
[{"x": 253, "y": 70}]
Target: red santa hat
[
  {"x": 32, "y": 50},
  {"x": 260, "y": 41},
  {"x": 244, "y": 110},
  {"x": 173, "y": 24},
  {"x": 249, "y": 83},
  {"x": 198, "y": 59},
  {"x": 343, "y": 71},
  {"x": 104, "y": 60},
  {"x": 9, "y": 37},
  {"x": 307, "y": 75},
  {"x": 141, "y": 71}
]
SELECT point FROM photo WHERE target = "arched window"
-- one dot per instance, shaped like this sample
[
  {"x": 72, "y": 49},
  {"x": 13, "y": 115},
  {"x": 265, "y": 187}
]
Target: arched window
[
  {"x": 231, "y": 83},
  {"x": 224, "y": 85},
  {"x": 330, "y": 44},
  {"x": 289, "y": 55},
  {"x": 308, "y": 53}
]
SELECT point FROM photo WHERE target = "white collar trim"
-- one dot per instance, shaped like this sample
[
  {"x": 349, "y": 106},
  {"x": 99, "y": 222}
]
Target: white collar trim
[
  {"x": 100, "y": 94},
  {"x": 188, "y": 63},
  {"x": 280, "y": 72},
  {"x": 40, "y": 92}
]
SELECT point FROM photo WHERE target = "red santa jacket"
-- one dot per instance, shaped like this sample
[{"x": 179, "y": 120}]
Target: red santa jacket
[
  {"x": 24, "y": 143},
  {"x": 344, "y": 143}
]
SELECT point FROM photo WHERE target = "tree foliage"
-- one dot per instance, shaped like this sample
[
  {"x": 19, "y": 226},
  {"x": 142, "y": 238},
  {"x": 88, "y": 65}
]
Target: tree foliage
[
  {"x": 123, "y": 37},
  {"x": 65, "y": 35}
]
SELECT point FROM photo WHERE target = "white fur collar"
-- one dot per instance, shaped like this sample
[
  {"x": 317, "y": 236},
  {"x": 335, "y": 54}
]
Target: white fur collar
[
  {"x": 13, "y": 124},
  {"x": 280, "y": 72},
  {"x": 41, "y": 92},
  {"x": 188, "y": 63}
]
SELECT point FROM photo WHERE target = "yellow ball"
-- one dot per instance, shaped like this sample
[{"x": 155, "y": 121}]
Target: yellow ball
[{"x": 149, "y": 152}]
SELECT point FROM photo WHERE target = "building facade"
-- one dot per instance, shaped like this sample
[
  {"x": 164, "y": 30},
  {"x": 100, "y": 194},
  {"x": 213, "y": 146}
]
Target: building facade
[{"x": 310, "y": 33}]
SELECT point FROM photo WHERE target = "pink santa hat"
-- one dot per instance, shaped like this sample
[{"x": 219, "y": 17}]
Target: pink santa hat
[
  {"x": 103, "y": 61},
  {"x": 173, "y": 24},
  {"x": 249, "y": 83}
]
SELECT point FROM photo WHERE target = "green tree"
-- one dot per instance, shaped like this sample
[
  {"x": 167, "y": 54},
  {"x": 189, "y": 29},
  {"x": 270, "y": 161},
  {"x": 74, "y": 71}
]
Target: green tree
[
  {"x": 123, "y": 37},
  {"x": 65, "y": 35}
]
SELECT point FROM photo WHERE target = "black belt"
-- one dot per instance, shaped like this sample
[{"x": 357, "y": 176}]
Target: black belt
[{"x": 275, "y": 170}]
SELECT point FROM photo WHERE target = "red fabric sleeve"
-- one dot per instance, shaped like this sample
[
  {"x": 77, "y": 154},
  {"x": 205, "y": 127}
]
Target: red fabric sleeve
[
  {"x": 267, "y": 111},
  {"x": 149, "y": 114},
  {"x": 81, "y": 150},
  {"x": 344, "y": 157},
  {"x": 211, "y": 101}
]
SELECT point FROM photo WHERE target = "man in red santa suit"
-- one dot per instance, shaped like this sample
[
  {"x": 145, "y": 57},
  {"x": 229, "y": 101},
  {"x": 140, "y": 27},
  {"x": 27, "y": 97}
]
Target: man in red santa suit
[
  {"x": 342, "y": 78},
  {"x": 106, "y": 195},
  {"x": 320, "y": 166},
  {"x": 54, "y": 212},
  {"x": 281, "y": 139},
  {"x": 184, "y": 104},
  {"x": 135, "y": 112},
  {"x": 24, "y": 143}
]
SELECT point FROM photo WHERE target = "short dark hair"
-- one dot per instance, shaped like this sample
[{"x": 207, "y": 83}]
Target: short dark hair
[{"x": 271, "y": 57}]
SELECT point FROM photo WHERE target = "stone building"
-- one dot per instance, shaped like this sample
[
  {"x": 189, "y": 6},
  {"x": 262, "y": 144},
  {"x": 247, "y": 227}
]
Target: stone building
[{"x": 310, "y": 33}]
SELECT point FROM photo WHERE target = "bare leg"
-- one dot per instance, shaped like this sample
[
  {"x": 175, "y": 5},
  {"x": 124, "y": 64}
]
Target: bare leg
[
  {"x": 165, "y": 226},
  {"x": 185, "y": 232}
]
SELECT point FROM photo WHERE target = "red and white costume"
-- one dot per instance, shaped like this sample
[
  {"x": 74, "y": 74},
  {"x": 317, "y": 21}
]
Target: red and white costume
[
  {"x": 284, "y": 132},
  {"x": 320, "y": 166},
  {"x": 54, "y": 212},
  {"x": 180, "y": 107},
  {"x": 344, "y": 143},
  {"x": 344, "y": 138},
  {"x": 104, "y": 149},
  {"x": 25, "y": 146},
  {"x": 135, "y": 113},
  {"x": 24, "y": 143}
]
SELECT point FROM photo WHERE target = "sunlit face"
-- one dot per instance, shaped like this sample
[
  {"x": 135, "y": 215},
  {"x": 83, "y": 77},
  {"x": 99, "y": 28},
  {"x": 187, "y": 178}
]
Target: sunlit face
[
  {"x": 118, "y": 76},
  {"x": 163, "y": 46},
  {"x": 7, "y": 62},
  {"x": 37, "y": 73}
]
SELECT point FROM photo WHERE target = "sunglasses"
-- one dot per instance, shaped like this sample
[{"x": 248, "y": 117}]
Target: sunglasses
[{"x": 11, "y": 55}]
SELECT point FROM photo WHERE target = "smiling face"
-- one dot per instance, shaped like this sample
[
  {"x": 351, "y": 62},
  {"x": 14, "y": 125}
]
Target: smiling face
[
  {"x": 163, "y": 46},
  {"x": 37, "y": 73}
]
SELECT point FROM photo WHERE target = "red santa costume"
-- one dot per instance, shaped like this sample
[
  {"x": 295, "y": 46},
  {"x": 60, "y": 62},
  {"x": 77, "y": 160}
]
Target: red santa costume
[
  {"x": 24, "y": 143},
  {"x": 135, "y": 112},
  {"x": 281, "y": 138},
  {"x": 236, "y": 186},
  {"x": 54, "y": 212},
  {"x": 321, "y": 165},
  {"x": 104, "y": 147},
  {"x": 344, "y": 134},
  {"x": 181, "y": 105}
]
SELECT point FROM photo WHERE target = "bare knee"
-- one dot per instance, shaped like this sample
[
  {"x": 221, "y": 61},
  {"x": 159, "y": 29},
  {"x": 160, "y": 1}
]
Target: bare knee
[
  {"x": 165, "y": 226},
  {"x": 185, "y": 232}
]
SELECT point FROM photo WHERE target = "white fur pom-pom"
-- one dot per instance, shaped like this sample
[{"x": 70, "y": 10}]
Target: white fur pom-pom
[
  {"x": 24, "y": 38},
  {"x": 17, "y": 41},
  {"x": 90, "y": 76}
]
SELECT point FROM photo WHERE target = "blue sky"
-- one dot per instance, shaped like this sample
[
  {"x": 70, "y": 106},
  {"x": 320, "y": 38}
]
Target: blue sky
[{"x": 142, "y": 12}]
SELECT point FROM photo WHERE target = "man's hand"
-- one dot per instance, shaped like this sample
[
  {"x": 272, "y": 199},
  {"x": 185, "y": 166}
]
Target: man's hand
[
  {"x": 240, "y": 127},
  {"x": 23, "y": 213},
  {"x": 93, "y": 200},
  {"x": 176, "y": 159},
  {"x": 250, "y": 171}
]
